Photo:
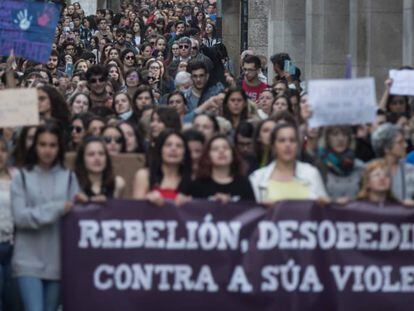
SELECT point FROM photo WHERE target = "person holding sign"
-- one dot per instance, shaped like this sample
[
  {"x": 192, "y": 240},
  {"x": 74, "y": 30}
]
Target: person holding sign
[
  {"x": 40, "y": 195},
  {"x": 169, "y": 171},
  {"x": 286, "y": 178},
  {"x": 221, "y": 175}
]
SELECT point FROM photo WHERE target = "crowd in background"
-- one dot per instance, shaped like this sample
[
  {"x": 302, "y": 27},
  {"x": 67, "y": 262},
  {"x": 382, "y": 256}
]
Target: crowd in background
[{"x": 155, "y": 79}]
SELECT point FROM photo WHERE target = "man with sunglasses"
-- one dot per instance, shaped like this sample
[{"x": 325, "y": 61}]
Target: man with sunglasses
[
  {"x": 184, "y": 45},
  {"x": 97, "y": 76}
]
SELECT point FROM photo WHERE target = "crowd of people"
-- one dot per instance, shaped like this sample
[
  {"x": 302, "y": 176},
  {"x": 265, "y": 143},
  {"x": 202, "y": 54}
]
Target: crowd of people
[{"x": 155, "y": 79}]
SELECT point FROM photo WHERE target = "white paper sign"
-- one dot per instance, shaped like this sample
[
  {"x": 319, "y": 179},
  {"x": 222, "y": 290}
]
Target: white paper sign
[
  {"x": 403, "y": 82},
  {"x": 342, "y": 101},
  {"x": 18, "y": 107}
]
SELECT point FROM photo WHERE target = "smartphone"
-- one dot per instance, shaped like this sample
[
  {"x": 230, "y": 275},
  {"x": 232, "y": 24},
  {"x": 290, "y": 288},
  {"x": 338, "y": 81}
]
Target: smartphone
[
  {"x": 69, "y": 69},
  {"x": 289, "y": 67}
]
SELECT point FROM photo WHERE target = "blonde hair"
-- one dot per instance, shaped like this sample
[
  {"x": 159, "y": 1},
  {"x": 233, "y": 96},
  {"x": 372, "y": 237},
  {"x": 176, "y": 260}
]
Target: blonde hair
[{"x": 369, "y": 168}]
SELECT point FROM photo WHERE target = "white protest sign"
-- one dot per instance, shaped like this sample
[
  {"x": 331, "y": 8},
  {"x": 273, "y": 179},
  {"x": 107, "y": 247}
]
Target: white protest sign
[
  {"x": 18, "y": 107},
  {"x": 403, "y": 82},
  {"x": 342, "y": 101}
]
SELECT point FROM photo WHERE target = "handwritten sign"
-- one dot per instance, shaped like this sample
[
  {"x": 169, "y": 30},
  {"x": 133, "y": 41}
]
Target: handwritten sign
[
  {"x": 342, "y": 101},
  {"x": 28, "y": 27},
  {"x": 403, "y": 82},
  {"x": 18, "y": 107}
]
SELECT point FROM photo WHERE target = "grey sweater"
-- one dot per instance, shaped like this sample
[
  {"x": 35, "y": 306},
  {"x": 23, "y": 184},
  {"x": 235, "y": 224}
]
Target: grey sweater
[{"x": 38, "y": 201}]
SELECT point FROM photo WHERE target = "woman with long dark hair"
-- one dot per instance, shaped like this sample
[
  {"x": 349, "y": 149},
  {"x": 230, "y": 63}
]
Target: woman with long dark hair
[
  {"x": 222, "y": 173},
  {"x": 23, "y": 144},
  {"x": 235, "y": 107},
  {"x": 41, "y": 194},
  {"x": 93, "y": 168},
  {"x": 169, "y": 171}
]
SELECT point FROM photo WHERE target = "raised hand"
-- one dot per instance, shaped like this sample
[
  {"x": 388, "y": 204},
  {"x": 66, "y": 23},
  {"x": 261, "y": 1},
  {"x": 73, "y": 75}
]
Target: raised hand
[{"x": 23, "y": 20}]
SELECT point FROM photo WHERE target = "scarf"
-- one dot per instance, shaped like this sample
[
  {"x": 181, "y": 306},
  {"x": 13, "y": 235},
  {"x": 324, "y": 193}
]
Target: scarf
[{"x": 339, "y": 164}]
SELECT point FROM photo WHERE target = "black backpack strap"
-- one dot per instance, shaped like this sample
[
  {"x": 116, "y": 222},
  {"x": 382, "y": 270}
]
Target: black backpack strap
[{"x": 70, "y": 177}]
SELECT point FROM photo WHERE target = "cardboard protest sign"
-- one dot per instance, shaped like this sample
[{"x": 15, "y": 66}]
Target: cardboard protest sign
[
  {"x": 296, "y": 255},
  {"x": 18, "y": 107},
  {"x": 28, "y": 27},
  {"x": 125, "y": 165},
  {"x": 342, "y": 101},
  {"x": 403, "y": 82}
]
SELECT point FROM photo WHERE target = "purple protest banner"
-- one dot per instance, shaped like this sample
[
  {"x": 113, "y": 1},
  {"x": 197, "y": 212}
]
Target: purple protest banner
[
  {"x": 131, "y": 255},
  {"x": 28, "y": 27}
]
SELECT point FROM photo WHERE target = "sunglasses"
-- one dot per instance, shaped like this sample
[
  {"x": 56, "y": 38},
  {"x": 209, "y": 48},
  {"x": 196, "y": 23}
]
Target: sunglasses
[
  {"x": 96, "y": 80},
  {"x": 184, "y": 46},
  {"x": 77, "y": 129},
  {"x": 129, "y": 57},
  {"x": 109, "y": 139}
]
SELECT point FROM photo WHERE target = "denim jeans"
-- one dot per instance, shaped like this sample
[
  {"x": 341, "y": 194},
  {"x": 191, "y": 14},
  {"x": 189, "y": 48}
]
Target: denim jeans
[
  {"x": 38, "y": 294},
  {"x": 5, "y": 272}
]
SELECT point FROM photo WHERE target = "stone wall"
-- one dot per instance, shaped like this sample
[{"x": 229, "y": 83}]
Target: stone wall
[{"x": 319, "y": 34}]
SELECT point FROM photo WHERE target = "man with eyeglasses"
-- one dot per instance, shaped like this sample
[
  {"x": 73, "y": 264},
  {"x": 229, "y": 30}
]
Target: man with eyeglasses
[
  {"x": 97, "y": 76},
  {"x": 251, "y": 83},
  {"x": 200, "y": 92},
  {"x": 184, "y": 45}
]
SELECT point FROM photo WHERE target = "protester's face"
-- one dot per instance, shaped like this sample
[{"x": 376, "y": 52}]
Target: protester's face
[
  {"x": 122, "y": 104},
  {"x": 71, "y": 10},
  {"x": 236, "y": 103},
  {"x": 221, "y": 153},
  {"x": 196, "y": 150},
  {"x": 113, "y": 73},
  {"x": 120, "y": 37},
  {"x": 113, "y": 54},
  {"x": 204, "y": 125},
  {"x": 76, "y": 22},
  {"x": 379, "y": 181},
  {"x": 173, "y": 150},
  {"x": 286, "y": 145},
  {"x": 209, "y": 28},
  {"x": 187, "y": 11},
  {"x": 199, "y": 78},
  {"x": 30, "y": 138},
  {"x": 182, "y": 67},
  {"x": 280, "y": 88},
  {"x": 43, "y": 102},
  {"x": 156, "y": 125},
  {"x": 155, "y": 70},
  {"x": 265, "y": 132},
  {"x": 194, "y": 48},
  {"x": 47, "y": 148},
  {"x": 102, "y": 25},
  {"x": 95, "y": 127},
  {"x": 97, "y": 84},
  {"x": 244, "y": 145},
  {"x": 280, "y": 104},
  {"x": 142, "y": 100},
  {"x": 52, "y": 62},
  {"x": 175, "y": 49},
  {"x": 113, "y": 141},
  {"x": 398, "y": 148},
  {"x": 178, "y": 12},
  {"x": 161, "y": 45},
  {"x": 338, "y": 141},
  {"x": 82, "y": 66},
  {"x": 129, "y": 37},
  {"x": 265, "y": 101},
  {"x": 77, "y": 131},
  {"x": 80, "y": 104},
  {"x": 397, "y": 105},
  {"x": 95, "y": 157},
  {"x": 177, "y": 102},
  {"x": 147, "y": 52},
  {"x": 132, "y": 79},
  {"x": 129, "y": 59},
  {"x": 136, "y": 28},
  {"x": 130, "y": 138},
  {"x": 250, "y": 71},
  {"x": 185, "y": 49}
]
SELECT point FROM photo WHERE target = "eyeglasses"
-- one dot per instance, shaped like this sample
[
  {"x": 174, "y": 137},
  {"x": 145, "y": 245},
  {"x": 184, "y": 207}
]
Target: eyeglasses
[
  {"x": 109, "y": 139},
  {"x": 184, "y": 46},
  {"x": 96, "y": 80},
  {"x": 129, "y": 57},
  {"x": 194, "y": 48},
  {"x": 77, "y": 129}
]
